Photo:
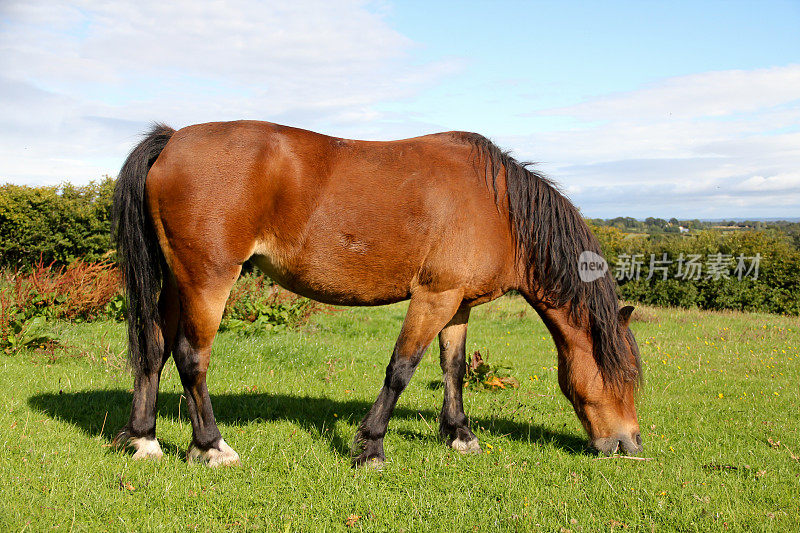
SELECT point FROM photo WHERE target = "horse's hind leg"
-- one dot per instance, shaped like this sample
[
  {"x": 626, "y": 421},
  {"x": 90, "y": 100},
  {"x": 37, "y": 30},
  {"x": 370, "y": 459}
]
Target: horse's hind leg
[
  {"x": 140, "y": 432},
  {"x": 427, "y": 314},
  {"x": 201, "y": 311},
  {"x": 453, "y": 425}
]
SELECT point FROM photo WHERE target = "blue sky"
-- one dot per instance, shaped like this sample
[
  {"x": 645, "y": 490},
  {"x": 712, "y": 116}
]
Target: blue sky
[
  {"x": 528, "y": 56},
  {"x": 688, "y": 109}
]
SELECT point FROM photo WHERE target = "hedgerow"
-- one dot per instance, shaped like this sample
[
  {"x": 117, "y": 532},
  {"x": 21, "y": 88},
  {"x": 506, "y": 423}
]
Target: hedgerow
[
  {"x": 774, "y": 288},
  {"x": 60, "y": 225},
  {"x": 55, "y": 225}
]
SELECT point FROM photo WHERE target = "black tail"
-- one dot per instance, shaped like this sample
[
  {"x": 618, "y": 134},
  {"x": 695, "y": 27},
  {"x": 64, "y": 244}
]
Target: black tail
[{"x": 138, "y": 250}]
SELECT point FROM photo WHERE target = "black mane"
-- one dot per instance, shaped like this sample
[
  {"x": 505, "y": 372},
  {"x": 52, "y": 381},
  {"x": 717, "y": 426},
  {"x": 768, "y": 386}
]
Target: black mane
[{"x": 550, "y": 235}]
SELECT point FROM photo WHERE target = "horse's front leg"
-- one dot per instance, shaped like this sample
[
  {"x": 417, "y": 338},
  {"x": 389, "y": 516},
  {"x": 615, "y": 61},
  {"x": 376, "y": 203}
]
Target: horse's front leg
[
  {"x": 453, "y": 424},
  {"x": 427, "y": 313}
]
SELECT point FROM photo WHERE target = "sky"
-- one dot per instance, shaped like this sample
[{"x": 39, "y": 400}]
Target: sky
[{"x": 685, "y": 109}]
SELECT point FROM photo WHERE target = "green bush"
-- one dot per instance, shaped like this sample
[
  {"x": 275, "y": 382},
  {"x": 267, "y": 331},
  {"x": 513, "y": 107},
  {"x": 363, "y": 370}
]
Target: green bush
[
  {"x": 776, "y": 288},
  {"x": 256, "y": 305},
  {"x": 55, "y": 224}
]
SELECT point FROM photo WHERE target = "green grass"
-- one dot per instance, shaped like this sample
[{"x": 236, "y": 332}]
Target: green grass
[{"x": 718, "y": 387}]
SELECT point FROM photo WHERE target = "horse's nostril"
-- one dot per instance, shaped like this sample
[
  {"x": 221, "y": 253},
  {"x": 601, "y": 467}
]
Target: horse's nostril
[{"x": 638, "y": 438}]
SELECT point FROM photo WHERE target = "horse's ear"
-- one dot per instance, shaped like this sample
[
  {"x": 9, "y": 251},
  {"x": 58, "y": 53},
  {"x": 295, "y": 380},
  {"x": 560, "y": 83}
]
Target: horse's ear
[{"x": 625, "y": 315}]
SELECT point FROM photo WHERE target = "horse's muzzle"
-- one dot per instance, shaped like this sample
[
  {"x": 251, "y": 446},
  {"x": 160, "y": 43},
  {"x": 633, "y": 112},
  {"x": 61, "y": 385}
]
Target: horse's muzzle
[{"x": 630, "y": 444}]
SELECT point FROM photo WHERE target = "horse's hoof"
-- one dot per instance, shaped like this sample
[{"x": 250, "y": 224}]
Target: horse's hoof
[
  {"x": 223, "y": 455},
  {"x": 368, "y": 453},
  {"x": 145, "y": 448},
  {"x": 376, "y": 464},
  {"x": 466, "y": 447}
]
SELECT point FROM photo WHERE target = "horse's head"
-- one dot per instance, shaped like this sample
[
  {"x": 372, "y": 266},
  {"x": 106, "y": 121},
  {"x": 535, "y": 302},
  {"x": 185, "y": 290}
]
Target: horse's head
[{"x": 604, "y": 398}]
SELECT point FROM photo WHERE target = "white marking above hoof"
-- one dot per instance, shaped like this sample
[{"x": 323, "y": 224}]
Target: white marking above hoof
[
  {"x": 222, "y": 456},
  {"x": 468, "y": 447},
  {"x": 145, "y": 448},
  {"x": 376, "y": 464}
]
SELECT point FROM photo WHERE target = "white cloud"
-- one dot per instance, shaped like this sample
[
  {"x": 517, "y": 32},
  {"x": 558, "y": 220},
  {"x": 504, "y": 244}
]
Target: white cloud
[
  {"x": 779, "y": 182},
  {"x": 708, "y": 94},
  {"x": 81, "y": 79},
  {"x": 237, "y": 41},
  {"x": 708, "y": 142}
]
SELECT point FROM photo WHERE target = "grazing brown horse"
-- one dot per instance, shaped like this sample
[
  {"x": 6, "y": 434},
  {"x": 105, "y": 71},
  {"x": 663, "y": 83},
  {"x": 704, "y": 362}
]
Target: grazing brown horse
[{"x": 447, "y": 221}]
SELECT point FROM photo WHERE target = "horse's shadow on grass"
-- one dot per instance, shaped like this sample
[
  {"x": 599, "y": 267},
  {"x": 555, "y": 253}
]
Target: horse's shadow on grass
[{"x": 103, "y": 412}]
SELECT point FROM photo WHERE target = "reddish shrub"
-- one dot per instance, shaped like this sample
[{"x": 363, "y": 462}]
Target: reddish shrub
[{"x": 77, "y": 291}]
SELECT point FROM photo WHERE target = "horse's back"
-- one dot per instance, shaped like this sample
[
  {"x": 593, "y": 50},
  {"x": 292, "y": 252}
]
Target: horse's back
[{"x": 344, "y": 221}]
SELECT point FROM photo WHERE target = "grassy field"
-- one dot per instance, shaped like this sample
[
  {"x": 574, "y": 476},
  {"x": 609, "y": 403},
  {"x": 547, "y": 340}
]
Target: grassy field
[{"x": 719, "y": 414}]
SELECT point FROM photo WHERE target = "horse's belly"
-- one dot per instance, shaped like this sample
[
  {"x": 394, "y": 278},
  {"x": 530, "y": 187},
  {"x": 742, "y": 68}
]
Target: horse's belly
[{"x": 344, "y": 276}]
